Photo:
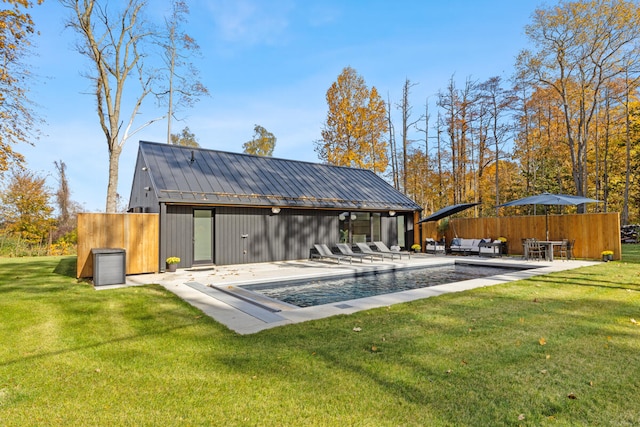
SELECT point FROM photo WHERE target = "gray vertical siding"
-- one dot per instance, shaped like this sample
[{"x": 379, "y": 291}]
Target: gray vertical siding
[
  {"x": 288, "y": 235},
  {"x": 177, "y": 237}
]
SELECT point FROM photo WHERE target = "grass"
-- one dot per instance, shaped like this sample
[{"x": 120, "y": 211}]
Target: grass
[{"x": 555, "y": 350}]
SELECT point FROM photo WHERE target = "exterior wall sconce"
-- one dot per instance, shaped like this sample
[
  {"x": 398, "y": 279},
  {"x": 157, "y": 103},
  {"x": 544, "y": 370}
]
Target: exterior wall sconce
[
  {"x": 147, "y": 188},
  {"x": 144, "y": 168},
  {"x": 353, "y": 217},
  {"x": 342, "y": 216},
  {"x": 275, "y": 210},
  {"x": 392, "y": 213}
]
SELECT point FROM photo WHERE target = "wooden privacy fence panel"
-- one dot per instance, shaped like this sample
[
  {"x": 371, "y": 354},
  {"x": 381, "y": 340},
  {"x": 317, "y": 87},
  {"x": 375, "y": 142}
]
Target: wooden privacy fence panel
[
  {"x": 137, "y": 234},
  {"x": 592, "y": 232}
]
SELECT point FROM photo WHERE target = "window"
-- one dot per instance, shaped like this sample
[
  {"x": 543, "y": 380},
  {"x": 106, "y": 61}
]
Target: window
[{"x": 357, "y": 227}]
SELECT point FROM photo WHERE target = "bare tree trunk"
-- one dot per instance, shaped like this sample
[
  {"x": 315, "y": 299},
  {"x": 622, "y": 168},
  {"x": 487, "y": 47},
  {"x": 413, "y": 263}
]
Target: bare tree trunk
[
  {"x": 405, "y": 108},
  {"x": 114, "y": 46},
  {"x": 392, "y": 150}
]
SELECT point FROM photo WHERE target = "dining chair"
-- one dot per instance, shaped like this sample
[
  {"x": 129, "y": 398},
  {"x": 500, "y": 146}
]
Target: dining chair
[
  {"x": 562, "y": 250},
  {"x": 535, "y": 250}
]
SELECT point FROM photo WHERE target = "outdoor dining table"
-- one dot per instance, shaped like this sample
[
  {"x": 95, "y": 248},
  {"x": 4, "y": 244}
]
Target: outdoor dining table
[{"x": 548, "y": 247}]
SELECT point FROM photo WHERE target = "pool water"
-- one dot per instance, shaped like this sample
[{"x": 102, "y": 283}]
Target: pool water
[{"x": 327, "y": 291}]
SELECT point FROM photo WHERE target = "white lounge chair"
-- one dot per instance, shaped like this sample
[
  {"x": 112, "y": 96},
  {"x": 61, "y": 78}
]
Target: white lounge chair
[
  {"x": 346, "y": 250},
  {"x": 325, "y": 252},
  {"x": 384, "y": 249},
  {"x": 366, "y": 249}
]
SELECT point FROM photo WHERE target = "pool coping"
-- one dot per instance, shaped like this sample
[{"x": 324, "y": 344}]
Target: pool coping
[{"x": 198, "y": 287}]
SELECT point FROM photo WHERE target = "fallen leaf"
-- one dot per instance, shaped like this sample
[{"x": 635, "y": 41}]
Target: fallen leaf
[
  {"x": 357, "y": 329},
  {"x": 590, "y": 383},
  {"x": 544, "y": 371},
  {"x": 548, "y": 356},
  {"x": 449, "y": 371},
  {"x": 463, "y": 362},
  {"x": 634, "y": 321},
  {"x": 374, "y": 348},
  {"x": 542, "y": 341},
  {"x": 571, "y": 396},
  {"x": 520, "y": 417}
]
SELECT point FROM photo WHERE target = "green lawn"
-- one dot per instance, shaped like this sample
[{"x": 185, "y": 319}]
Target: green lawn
[{"x": 558, "y": 350}]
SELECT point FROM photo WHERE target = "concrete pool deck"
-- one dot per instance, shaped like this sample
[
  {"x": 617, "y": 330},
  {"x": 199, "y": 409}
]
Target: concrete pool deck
[{"x": 205, "y": 288}]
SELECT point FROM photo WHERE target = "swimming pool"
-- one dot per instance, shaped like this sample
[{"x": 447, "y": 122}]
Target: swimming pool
[{"x": 326, "y": 291}]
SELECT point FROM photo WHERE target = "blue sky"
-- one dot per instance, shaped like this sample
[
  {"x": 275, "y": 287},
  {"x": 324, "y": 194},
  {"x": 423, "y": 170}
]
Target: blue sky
[{"x": 270, "y": 62}]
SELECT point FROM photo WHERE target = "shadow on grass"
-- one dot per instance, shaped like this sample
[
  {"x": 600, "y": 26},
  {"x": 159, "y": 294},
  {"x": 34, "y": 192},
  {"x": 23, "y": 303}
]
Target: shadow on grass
[
  {"x": 598, "y": 280},
  {"x": 66, "y": 267},
  {"x": 104, "y": 343}
]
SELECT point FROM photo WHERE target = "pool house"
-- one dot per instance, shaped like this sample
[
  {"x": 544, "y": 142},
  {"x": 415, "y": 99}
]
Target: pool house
[{"x": 219, "y": 208}]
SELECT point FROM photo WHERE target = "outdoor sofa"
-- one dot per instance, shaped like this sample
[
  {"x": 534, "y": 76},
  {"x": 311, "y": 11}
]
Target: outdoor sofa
[
  {"x": 486, "y": 246},
  {"x": 431, "y": 246}
]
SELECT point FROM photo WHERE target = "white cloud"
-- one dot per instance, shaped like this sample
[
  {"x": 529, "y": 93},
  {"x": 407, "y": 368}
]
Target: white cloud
[{"x": 248, "y": 22}]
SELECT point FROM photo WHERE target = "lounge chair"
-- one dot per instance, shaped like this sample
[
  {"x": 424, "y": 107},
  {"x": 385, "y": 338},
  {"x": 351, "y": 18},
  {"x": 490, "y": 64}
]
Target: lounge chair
[
  {"x": 366, "y": 249},
  {"x": 346, "y": 250},
  {"x": 382, "y": 248},
  {"x": 325, "y": 252}
]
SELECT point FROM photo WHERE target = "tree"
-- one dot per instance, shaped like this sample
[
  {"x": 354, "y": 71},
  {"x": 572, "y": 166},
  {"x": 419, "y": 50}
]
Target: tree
[
  {"x": 17, "y": 119},
  {"x": 498, "y": 101},
  {"x": 63, "y": 195},
  {"x": 355, "y": 125},
  {"x": 67, "y": 208},
  {"x": 115, "y": 46},
  {"x": 185, "y": 138},
  {"x": 262, "y": 143},
  {"x": 405, "y": 109},
  {"x": 581, "y": 45},
  {"x": 25, "y": 208},
  {"x": 183, "y": 82}
]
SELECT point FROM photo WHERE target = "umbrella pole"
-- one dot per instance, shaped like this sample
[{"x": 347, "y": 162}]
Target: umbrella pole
[{"x": 546, "y": 220}]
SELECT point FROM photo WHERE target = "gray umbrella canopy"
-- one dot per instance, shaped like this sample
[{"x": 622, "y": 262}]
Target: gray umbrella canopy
[
  {"x": 549, "y": 199},
  {"x": 445, "y": 212}
]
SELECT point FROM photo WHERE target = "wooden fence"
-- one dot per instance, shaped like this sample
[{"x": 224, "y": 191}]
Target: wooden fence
[
  {"x": 592, "y": 232},
  {"x": 137, "y": 234}
]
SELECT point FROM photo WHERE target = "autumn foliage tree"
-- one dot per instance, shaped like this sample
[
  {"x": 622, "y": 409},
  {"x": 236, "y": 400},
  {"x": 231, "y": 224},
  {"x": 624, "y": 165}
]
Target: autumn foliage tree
[
  {"x": 353, "y": 134},
  {"x": 17, "y": 118},
  {"x": 580, "y": 46},
  {"x": 186, "y": 138},
  {"x": 262, "y": 144},
  {"x": 25, "y": 209}
]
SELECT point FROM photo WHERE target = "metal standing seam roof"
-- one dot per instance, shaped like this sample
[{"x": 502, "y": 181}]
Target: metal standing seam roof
[{"x": 224, "y": 178}]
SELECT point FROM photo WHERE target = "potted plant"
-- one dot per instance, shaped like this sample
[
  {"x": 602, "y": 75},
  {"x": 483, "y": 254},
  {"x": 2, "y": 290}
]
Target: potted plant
[
  {"x": 416, "y": 248},
  {"x": 442, "y": 228},
  {"x": 172, "y": 263},
  {"x": 607, "y": 256}
]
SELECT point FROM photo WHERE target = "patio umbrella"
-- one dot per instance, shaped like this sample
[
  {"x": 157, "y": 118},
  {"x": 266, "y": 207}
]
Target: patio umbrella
[
  {"x": 549, "y": 199},
  {"x": 445, "y": 212}
]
